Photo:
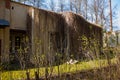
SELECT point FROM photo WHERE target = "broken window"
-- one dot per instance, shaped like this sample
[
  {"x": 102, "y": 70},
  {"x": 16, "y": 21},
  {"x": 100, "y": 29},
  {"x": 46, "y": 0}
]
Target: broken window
[
  {"x": 54, "y": 39},
  {"x": 17, "y": 43},
  {"x": 57, "y": 42}
]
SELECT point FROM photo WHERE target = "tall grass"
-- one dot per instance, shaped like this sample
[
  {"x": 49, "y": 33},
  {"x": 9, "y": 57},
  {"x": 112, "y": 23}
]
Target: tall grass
[{"x": 63, "y": 68}]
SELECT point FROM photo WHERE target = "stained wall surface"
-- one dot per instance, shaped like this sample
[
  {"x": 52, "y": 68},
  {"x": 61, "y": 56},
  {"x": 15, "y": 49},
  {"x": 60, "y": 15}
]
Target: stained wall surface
[{"x": 53, "y": 33}]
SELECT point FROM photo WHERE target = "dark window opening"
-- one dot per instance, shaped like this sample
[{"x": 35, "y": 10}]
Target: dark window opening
[
  {"x": 10, "y": 44},
  {"x": 58, "y": 42},
  {"x": 57, "y": 38},
  {"x": 65, "y": 42},
  {"x": 55, "y": 41},
  {"x": 17, "y": 43},
  {"x": 0, "y": 47}
]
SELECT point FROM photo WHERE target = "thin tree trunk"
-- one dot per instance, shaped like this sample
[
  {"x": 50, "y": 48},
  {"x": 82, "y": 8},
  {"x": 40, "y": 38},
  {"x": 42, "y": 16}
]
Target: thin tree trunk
[
  {"x": 86, "y": 5},
  {"x": 111, "y": 26}
]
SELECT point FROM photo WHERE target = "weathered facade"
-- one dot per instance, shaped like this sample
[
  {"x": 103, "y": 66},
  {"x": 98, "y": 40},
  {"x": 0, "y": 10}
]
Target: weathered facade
[
  {"x": 85, "y": 39},
  {"x": 4, "y": 31},
  {"x": 45, "y": 32}
]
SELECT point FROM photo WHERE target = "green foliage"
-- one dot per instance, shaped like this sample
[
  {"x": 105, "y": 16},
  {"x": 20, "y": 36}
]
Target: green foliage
[
  {"x": 90, "y": 27},
  {"x": 84, "y": 42}
]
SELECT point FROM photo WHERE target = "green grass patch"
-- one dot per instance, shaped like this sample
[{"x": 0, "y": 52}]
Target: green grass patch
[{"x": 63, "y": 68}]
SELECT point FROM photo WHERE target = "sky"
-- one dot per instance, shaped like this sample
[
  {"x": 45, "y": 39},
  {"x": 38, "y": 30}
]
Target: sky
[
  {"x": 116, "y": 21},
  {"x": 117, "y": 2}
]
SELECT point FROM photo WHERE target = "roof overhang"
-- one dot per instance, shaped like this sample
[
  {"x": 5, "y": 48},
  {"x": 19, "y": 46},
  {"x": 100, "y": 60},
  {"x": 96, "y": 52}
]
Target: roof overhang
[{"x": 4, "y": 23}]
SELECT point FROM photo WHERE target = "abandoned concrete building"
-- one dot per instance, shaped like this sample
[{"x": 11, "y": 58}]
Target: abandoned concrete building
[{"x": 45, "y": 32}]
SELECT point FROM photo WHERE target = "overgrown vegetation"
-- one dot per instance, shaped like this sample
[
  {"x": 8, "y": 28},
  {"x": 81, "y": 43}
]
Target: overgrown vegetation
[
  {"x": 63, "y": 68},
  {"x": 97, "y": 65},
  {"x": 60, "y": 38},
  {"x": 106, "y": 62}
]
